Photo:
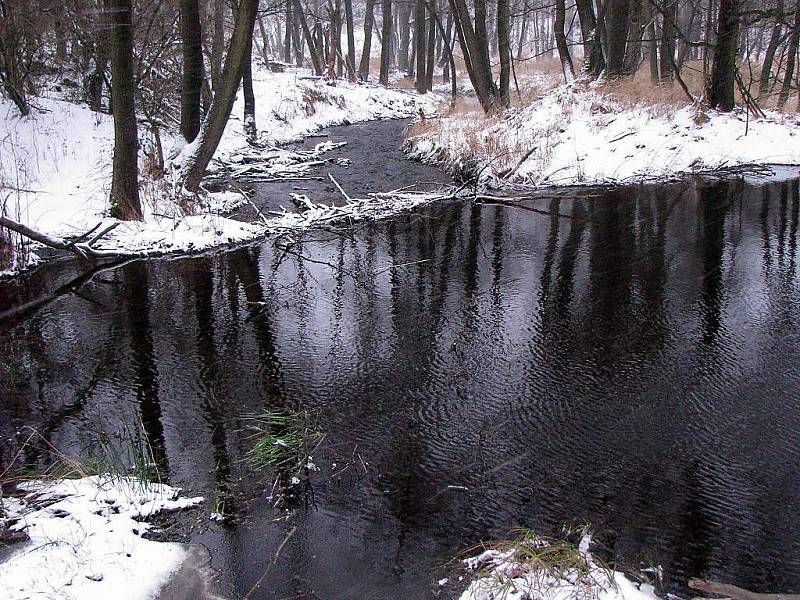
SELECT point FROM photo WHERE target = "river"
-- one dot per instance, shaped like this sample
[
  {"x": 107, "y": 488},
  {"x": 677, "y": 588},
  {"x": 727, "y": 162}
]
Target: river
[{"x": 625, "y": 357}]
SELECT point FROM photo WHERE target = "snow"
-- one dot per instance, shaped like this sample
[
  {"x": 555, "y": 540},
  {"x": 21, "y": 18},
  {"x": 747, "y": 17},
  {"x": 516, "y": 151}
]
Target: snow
[
  {"x": 55, "y": 165},
  {"x": 580, "y": 136},
  {"x": 86, "y": 539},
  {"x": 501, "y": 576}
]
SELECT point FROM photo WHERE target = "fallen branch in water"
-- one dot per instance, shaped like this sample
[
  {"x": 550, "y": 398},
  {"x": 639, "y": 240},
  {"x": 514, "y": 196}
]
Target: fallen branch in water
[{"x": 736, "y": 593}]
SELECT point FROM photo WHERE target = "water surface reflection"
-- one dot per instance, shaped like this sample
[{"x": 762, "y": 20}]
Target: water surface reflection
[{"x": 627, "y": 358}]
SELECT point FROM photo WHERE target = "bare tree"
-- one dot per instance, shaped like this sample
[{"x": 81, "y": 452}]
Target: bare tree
[
  {"x": 217, "y": 117},
  {"x": 125, "y": 181},
  {"x": 192, "y": 81}
]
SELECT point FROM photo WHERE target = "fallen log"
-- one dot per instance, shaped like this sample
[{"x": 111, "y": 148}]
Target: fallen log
[{"x": 85, "y": 250}]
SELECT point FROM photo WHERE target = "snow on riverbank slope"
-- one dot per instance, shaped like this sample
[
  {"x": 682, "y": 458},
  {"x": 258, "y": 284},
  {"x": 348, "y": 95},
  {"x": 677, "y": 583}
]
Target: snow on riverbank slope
[
  {"x": 574, "y": 136},
  {"x": 55, "y": 166},
  {"x": 86, "y": 539},
  {"x": 531, "y": 569}
]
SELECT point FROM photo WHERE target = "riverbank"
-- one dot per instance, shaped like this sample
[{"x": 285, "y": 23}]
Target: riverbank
[
  {"x": 579, "y": 135},
  {"x": 55, "y": 170},
  {"x": 86, "y": 538}
]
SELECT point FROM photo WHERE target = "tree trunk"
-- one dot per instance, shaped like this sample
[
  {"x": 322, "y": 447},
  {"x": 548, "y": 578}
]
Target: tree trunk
[
  {"x": 313, "y": 50},
  {"x": 721, "y": 92},
  {"x": 593, "y": 59},
  {"x": 616, "y": 26},
  {"x": 504, "y": 50},
  {"x": 214, "y": 124},
  {"x": 430, "y": 62},
  {"x": 386, "y": 34},
  {"x": 772, "y": 48},
  {"x": 369, "y": 21},
  {"x": 791, "y": 60},
  {"x": 287, "y": 33},
  {"x": 192, "y": 81},
  {"x": 476, "y": 58},
  {"x": 125, "y": 182},
  {"x": 561, "y": 43},
  {"x": 633, "y": 52},
  {"x": 351, "y": 42},
  {"x": 668, "y": 35},
  {"x": 218, "y": 44},
  {"x": 420, "y": 45},
  {"x": 250, "y": 130},
  {"x": 404, "y": 20}
]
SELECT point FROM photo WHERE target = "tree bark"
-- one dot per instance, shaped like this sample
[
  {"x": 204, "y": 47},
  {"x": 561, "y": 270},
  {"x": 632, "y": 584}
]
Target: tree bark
[
  {"x": 476, "y": 59},
  {"x": 313, "y": 50},
  {"x": 192, "y": 81},
  {"x": 420, "y": 45},
  {"x": 250, "y": 129},
  {"x": 616, "y": 26},
  {"x": 721, "y": 92},
  {"x": 791, "y": 60},
  {"x": 386, "y": 34},
  {"x": 214, "y": 124},
  {"x": 561, "y": 43},
  {"x": 351, "y": 43},
  {"x": 594, "y": 60},
  {"x": 404, "y": 24},
  {"x": 125, "y": 181},
  {"x": 369, "y": 22},
  {"x": 430, "y": 62},
  {"x": 772, "y": 48},
  {"x": 217, "y": 44}
]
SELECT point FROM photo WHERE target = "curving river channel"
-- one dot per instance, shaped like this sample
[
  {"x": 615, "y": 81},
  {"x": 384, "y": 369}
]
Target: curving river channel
[{"x": 627, "y": 357}]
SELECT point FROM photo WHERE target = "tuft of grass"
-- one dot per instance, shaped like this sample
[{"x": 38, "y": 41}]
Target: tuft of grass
[
  {"x": 533, "y": 564},
  {"x": 280, "y": 438}
]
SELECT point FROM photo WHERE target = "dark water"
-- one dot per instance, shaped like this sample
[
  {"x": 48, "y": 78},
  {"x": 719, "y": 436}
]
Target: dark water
[{"x": 626, "y": 357}]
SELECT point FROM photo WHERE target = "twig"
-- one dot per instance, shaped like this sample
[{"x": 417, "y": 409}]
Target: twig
[{"x": 336, "y": 183}]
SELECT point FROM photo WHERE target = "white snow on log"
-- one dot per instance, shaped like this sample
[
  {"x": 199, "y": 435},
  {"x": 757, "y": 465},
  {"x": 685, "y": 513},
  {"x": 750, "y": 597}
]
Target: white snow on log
[
  {"x": 578, "y": 136},
  {"x": 86, "y": 539},
  {"x": 502, "y": 576}
]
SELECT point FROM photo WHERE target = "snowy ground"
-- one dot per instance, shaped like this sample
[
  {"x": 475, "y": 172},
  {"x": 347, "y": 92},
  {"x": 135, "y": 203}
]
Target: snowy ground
[
  {"x": 86, "y": 539},
  {"x": 577, "y": 136},
  {"x": 55, "y": 166},
  {"x": 512, "y": 574}
]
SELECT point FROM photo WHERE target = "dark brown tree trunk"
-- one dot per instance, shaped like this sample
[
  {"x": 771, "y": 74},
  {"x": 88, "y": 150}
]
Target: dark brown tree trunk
[
  {"x": 616, "y": 27},
  {"x": 668, "y": 36},
  {"x": 420, "y": 45},
  {"x": 791, "y": 60},
  {"x": 504, "y": 50},
  {"x": 430, "y": 62},
  {"x": 561, "y": 42},
  {"x": 386, "y": 35},
  {"x": 250, "y": 130},
  {"x": 287, "y": 33},
  {"x": 214, "y": 124},
  {"x": 633, "y": 52},
  {"x": 721, "y": 92},
  {"x": 404, "y": 21},
  {"x": 652, "y": 42},
  {"x": 476, "y": 59},
  {"x": 369, "y": 21},
  {"x": 351, "y": 41},
  {"x": 192, "y": 81},
  {"x": 594, "y": 61},
  {"x": 772, "y": 48},
  {"x": 217, "y": 44},
  {"x": 313, "y": 49},
  {"x": 125, "y": 182}
]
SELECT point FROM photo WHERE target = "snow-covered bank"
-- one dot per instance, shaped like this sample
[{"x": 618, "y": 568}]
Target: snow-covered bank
[
  {"x": 55, "y": 166},
  {"x": 531, "y": 569},
  {"x": 86, "y": 539},
  {"x": 577, "y": 136}
]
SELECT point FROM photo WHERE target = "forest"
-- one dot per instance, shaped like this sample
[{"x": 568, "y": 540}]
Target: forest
[{"x": 452, "y": 299}]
